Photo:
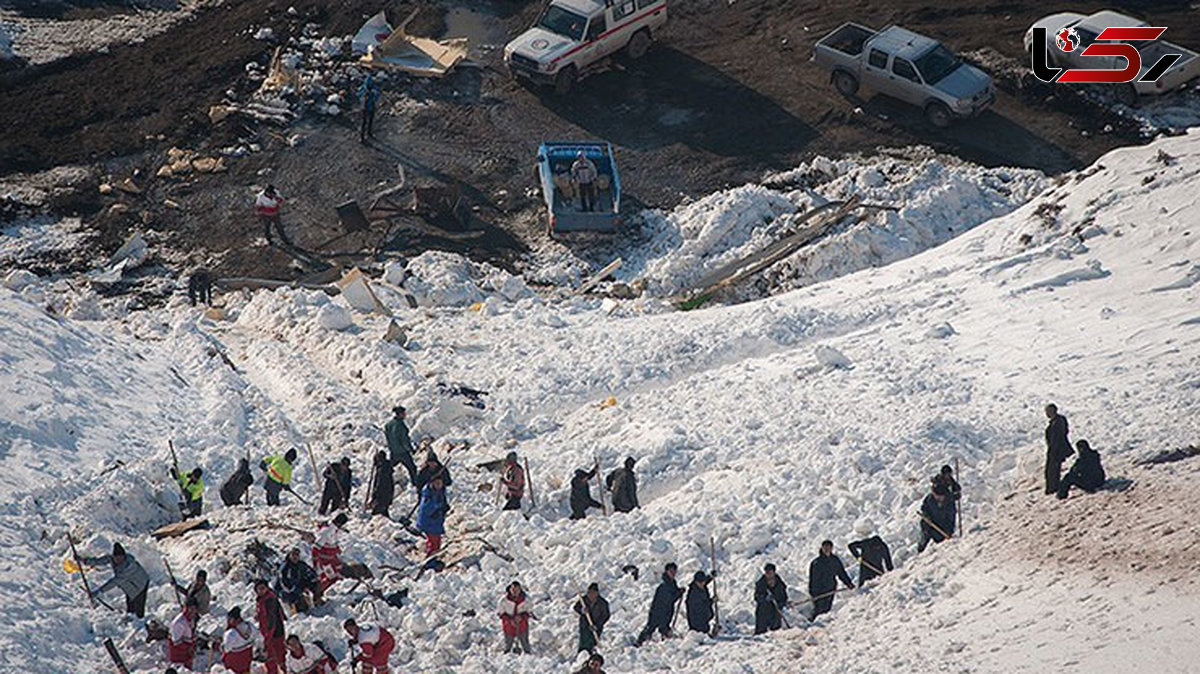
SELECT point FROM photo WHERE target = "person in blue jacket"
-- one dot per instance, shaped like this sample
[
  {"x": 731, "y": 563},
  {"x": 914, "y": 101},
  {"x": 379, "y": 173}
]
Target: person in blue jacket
[{"x": 431, "y": 514}]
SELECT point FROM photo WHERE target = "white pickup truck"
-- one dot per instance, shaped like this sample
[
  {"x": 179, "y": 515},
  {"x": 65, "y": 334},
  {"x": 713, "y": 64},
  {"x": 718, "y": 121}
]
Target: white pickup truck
[
  {"x": 1088, "y": 28},
  {"x": 911, "y": 67},
  {"x": 572, "y": 36}
]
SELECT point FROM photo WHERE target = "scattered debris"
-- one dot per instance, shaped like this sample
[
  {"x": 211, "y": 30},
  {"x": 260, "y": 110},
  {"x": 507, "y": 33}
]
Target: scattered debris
[{"x": 421, "y": 56}]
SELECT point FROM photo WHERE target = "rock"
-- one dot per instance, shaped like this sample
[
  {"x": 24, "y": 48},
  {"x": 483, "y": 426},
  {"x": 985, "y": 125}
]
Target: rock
[
  {"x": 393, "y": 273},
  {"x": 831, "y": 359},
  {"x": 17, "y": 279},
  {"x": 265, "y": 34},
  {"x": 334, "y": 317},
  {"x": 940, "y": 331}
]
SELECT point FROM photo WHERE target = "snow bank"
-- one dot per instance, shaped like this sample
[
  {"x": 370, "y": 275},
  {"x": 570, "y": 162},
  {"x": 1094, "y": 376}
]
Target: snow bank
[{"x": 438, "y": 278}]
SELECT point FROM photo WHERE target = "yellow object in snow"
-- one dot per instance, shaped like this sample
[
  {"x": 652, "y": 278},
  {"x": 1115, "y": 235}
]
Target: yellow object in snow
[
  {"x": 610, "y": 401},
  {"x": 477, "y": 307},
  {"x": 70, "y": 566}
]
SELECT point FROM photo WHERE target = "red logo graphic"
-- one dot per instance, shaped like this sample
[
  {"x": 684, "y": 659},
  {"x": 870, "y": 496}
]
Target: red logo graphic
[
  {"x": 1113, "y": 41},
  {"x": 1067, "y": 39}
]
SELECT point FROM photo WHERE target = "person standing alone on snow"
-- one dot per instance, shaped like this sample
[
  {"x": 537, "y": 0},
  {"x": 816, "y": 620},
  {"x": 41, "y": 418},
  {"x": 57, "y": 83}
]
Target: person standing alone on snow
[
  {"x": 623, "y": 485},
  {"x": 431, "y": 514},
  {"x": 823, "y": 575},
  {"x": 1058, "y": 447},
  {"x": 770, "y": 596},
  {"x": 400, "y": 442},
  {"x": 512, "y": 479},
  {"x": 127, "y": 575},
  {"x": 662, "y": 608},
  {"x": 514, "y": 619}
]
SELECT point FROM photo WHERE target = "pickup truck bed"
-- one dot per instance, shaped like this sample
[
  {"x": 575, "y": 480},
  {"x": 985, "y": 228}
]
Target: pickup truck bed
[{"x": 848, "y": 39}]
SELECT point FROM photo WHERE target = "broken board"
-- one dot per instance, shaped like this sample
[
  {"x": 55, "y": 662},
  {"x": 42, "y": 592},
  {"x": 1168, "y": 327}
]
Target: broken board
[{"x": 180, "y": 528}]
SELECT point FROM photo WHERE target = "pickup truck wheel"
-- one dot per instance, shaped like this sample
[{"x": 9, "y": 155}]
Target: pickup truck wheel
[
  {"x": 638, "y": 45},
  {"x": 1127, "y": 95},
  {"x": 846, "y": 83},
  {"x": 938, "y": 115},
  {"x": 565, "y": 81}
]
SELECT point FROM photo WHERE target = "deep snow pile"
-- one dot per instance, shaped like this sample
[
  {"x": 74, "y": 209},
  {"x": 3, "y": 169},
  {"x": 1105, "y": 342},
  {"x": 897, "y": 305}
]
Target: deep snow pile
[
  {"x": 769, "y": 425},
  {"x": 934, "y": 198}
]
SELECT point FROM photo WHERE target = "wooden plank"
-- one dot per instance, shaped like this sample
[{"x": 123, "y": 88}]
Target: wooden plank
[
  {"x": 599, "y": 276},
  {"x": 180, "y": 528}
]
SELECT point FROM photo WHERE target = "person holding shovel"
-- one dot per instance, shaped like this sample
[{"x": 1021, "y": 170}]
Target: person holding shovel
[
  {"x": 593, "y": 616},
  {"x": 770, "y": 596},
  {"x": 874, "y": 557},
  {"x": 279, "y": 474},
  {"x": 938, "y": 516},
  {"x": 128, "y": 575},
  {"x": 823, "y": 574},
  {"x": 662, "y": 608}
]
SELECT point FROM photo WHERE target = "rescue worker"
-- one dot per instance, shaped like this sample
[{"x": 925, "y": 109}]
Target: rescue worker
[
  {"x": 823, "y": 574},
  {"x": 1058, "y": 447},
  {"x": 235, "y": 487},
  {"x": 594, "y": 665},
  {"x": 369, "y": 94},
  {"x": 199, "y": 592},
  {"x": 1087, "y": 473},
  {"x": 593, "y": 613},
  {"x": 584, "y": 174},
  {"x": 512, "y": 478},
  {"x": 400, "y": 442},
  {"x": 874, "y": 557},
  {"x": 433, "y": 466},
  {"x": 514, "y": 619},
  {"x": 946, "y": 479},
  {"x": 310, "y": 659},
  {"x": 623, "y": 485},
  {"x": 374, "y": 644},
  {"x": 581, "y": 493},
  {"x": 699, "y": 604},
  {"x": 270, "y": 626},
  {"x": 192, "y": 486},
  {"x": 266, "y": 207},
  {"x": 383, "y": 487},
  {"x": 237, "y": 648},
  {"x": 181, "y": 639},
  {"x": 335, "y": 494},
  {"x": 431, "y": 514},
  {"x": 279, "y": 474},
  {"x": 770, "y": 597},
  {"x": 662, "y": 608},
  {"x": 297, "y": 580},
  {"x": 128, "y": 575},
  {"x": 938, "y": 517},
  {"x": 326, "y": 551}
]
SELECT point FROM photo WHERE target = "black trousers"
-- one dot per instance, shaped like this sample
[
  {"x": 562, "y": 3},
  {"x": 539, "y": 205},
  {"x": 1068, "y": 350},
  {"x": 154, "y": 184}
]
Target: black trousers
[
  {"x": 273, "y": 490},
  {"x": 367, "y": 127},
  {"x": 587, "y": 196},
  {"x": 1053, "y": 473},
  {"x": 822, "y": 605},
  {"x": 137, "y": 603},
  {"x": 268, "y": 221},
  {"x": 663, "y": 628},
  {"x": 513, "y": 503}
]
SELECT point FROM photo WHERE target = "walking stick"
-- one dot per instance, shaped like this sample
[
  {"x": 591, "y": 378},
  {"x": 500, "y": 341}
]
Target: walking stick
[
  {"x": 712, "y": 552},
  {"x": 935, "y": 526},
  {"x": 600, "y": 486},
  {"x": 529, "y": 479},
  {"x": 958, "y": 476},
  {"x": 370, "y": 488},
  {"x": 313, "y": 460}
]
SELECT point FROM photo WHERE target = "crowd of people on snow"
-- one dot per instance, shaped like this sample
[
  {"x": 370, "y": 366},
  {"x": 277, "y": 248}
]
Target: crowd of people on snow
[{"x": 302, "y": 586}]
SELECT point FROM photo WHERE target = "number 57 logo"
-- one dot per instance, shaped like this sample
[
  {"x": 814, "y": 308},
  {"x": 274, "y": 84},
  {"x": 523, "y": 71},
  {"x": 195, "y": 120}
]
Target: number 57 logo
[{"x": 1067, "y": 40}]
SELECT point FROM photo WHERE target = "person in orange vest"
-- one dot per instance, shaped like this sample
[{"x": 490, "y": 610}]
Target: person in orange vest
[
  {"x": 237, "y": 648},
  {"x": 279, "y": 474},
  {"x": 326, "y": 552},
  {"x": 270, "y": 625},
  {"x": 266, "y": 207},
  {"x": 374, "y": 643},
  {"x": 513, "y": 480},
  {"x": 310, "y": 659},
  {"x": 181, "y": 640}
]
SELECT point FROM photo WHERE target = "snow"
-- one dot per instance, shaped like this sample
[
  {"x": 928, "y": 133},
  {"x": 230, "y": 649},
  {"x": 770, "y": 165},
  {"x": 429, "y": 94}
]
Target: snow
[{"x": 769, "y": 425}]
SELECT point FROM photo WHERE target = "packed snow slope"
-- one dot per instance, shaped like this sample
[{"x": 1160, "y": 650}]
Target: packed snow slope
[{"x": 768, "y": 426}]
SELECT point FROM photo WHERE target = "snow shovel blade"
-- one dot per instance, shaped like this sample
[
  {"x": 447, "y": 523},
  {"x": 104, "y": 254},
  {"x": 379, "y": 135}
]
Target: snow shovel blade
[{"x": 70, "y": 566}]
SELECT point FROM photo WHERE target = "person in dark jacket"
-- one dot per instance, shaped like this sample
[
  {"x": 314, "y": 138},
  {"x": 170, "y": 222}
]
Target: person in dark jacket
[
  {"x": 593, "y": 616},
  {"x": 295, "y": 578},
  {"x": 623, "y": 485},
  {"x": 1058, "y": 447},
  {"x": 336, "y": 493},
  {"x": 946, "y": 479},
  {"x": 770, "y": 596},
  {"x": 581, "y": 493},
  {"x": 662, "y": 608},
  {"x": 128, "y": 576},
  {"x": 270, "y": 626},
  {"x": 512, "y": 481},
  {"x": 198, "y": 592},
  {"x": 383, "y": 489},
  {"x": 433, "y": 467},
  {"x": 699, "y": 604},
  {"x": 594, "y": 665},
  {"x": 399, "y": 443},
  {"x": 1087, "y": 473},
  {"x": 236, "y": 486},
  {"x": 938, "y": 517},
  {"x": 874, "y": 558},
  {"x": 823, "y": 574},
  {"x": 431, "y": 514}
]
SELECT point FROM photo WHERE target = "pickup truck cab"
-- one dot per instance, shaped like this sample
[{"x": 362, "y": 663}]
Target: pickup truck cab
[
  {"x": 571, "y": 37},
  {"x": 1088, "y": 28},
  {"x": 904, "y": 65}
]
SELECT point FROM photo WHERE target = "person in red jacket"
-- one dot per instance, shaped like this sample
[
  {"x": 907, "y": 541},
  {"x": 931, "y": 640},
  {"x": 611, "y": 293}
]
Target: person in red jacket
[
  {"x": 375, "y": 644},
  {"x": 181, "y": 640},
  {"x": 512, "y": 478},
  {"x": 514, "y": 618},
  {"x": 310, "y": 659},
  {"x": 266, "y": 207},
  {"x": 270, "y": 625},
  {"x": 237, "y": 648}
]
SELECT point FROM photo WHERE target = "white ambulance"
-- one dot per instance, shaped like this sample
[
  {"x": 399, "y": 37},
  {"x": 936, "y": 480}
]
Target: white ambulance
[{"x": 571, "y": 37}]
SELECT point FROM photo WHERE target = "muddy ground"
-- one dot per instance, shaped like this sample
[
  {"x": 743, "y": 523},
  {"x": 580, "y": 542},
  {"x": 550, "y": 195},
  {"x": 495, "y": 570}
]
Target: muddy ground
[{"x": 727, "y": 94}]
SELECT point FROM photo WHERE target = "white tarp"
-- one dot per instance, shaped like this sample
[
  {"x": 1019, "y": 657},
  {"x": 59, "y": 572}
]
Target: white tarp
[{"x": 372, "y": 34}]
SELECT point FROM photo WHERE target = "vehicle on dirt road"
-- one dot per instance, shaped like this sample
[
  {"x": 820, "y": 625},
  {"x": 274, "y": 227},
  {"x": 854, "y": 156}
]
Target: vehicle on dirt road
[
  {"x": 1088, "y": 28},
  {"x": 904, "y": 65},
  {"x": 572, "y": 38},
  {"x": 561, "y": 191}
]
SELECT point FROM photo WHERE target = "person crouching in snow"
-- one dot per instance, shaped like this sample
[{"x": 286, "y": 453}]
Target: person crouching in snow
[
  {"x": 296, "y": 578},
  {"x": 237, "y": 648},
  {"x": 310, "y": 659},
  {"x": 514, "y": 618},
  {"x": 431, "y": 514},
  {"x": 181, "y": 640},
  {"x": 374, "y": 643}
]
